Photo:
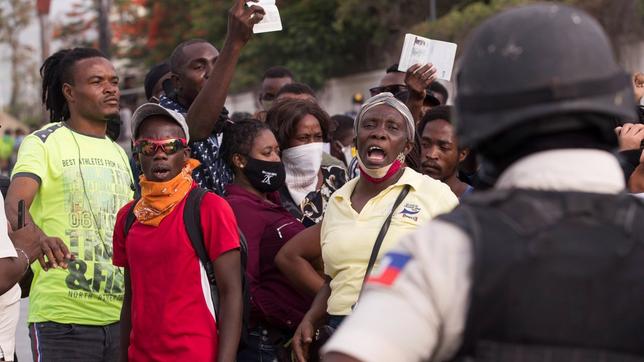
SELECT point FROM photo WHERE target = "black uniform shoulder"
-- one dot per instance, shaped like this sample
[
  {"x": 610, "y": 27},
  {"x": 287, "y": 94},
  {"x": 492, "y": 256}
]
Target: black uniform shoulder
[
  {"x": 44, "y": 133},
  {"x": 463, "y": 216}
]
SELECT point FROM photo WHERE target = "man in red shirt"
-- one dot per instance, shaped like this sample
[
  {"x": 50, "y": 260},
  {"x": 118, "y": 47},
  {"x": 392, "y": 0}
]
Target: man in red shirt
[{"x": 168, "y": 312}]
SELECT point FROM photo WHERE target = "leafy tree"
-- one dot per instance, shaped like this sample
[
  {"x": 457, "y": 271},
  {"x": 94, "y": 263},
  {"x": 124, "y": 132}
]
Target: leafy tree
[
  {"x": 15, "y": 16},
  {"x": 321, "y": 38},
  {"x": 622, "y": 19}
]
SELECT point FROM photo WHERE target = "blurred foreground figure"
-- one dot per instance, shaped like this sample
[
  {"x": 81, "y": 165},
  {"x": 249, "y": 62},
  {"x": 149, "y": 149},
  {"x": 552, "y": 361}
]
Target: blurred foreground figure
[{"x": 546, "y": 266}]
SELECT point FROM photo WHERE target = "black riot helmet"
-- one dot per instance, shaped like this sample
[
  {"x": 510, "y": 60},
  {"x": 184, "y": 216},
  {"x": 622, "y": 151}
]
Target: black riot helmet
[{"x": 534, "y": 71}]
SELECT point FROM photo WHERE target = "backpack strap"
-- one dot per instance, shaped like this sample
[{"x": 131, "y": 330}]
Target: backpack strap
[
  {"x": 130, "y": 218},
  {"x": 192, "y": 222}
]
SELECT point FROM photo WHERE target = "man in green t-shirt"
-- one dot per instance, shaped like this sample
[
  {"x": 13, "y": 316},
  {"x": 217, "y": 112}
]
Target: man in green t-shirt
[{"x": 74, "y": 180}]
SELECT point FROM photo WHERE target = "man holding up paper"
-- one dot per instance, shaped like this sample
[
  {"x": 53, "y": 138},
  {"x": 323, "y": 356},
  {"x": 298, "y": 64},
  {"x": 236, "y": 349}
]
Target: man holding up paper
[{"x": 201, "y": 77}]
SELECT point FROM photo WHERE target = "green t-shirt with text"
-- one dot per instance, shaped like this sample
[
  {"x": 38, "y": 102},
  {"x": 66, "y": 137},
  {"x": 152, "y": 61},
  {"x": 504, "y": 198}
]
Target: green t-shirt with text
[{"x": 84, "y": 181}]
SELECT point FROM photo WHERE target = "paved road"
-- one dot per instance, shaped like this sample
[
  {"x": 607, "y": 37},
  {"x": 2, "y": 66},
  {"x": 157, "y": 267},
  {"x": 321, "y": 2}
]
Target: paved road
[{"x": 22, "y": 334}]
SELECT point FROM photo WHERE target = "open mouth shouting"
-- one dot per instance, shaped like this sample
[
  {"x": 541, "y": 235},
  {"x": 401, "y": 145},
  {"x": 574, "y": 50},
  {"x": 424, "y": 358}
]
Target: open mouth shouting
[
  {"x": 161, "y": 172},
  {"x": 376, "y": 156}
]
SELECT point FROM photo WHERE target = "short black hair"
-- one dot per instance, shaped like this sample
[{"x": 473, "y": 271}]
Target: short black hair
[
  {"x": 278, "y": 72},
  {"x": 296, "y": 88},
  {"x": 393, "y": 69},
  {"x": 177, "y": 58},
  {"x": 284, "y": 116},
  {"x": 239, "y": 138},
  {"x": 439, "y": 112},
  {"x": 439, "y": 88},
  {"x": 343, "y": 123},
  {"x": 55, "y": 71},
  {"x": 240, "y": 116},
  {"x": 156, "y": 72}
]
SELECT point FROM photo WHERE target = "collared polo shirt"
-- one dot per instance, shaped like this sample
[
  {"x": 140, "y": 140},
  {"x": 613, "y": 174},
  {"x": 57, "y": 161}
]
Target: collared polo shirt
[
  {"x": 267, "y": 227},
  {"x": 348, "y": 237}
]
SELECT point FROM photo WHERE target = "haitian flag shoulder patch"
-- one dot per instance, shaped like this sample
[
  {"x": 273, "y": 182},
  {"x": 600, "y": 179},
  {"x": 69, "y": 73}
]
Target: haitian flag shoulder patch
[{"x": 392, "y": 264}]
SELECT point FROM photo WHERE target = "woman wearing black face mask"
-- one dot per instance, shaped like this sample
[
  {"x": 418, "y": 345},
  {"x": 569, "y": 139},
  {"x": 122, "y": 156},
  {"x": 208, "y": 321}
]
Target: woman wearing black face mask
[{"x": 251, "y": 150}]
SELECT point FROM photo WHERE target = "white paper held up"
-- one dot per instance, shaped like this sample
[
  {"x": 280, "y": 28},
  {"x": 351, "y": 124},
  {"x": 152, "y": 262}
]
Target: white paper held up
[
  {"x": 419, "y": 50},
  {"x": 271, "y": 20}
]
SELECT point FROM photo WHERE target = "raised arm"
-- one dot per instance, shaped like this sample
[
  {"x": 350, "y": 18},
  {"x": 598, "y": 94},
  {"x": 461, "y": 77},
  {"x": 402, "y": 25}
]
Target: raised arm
[{"x": 210, "y": 100}]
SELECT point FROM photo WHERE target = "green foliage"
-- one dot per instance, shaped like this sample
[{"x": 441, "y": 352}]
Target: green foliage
[
  {"x": 622, "y": 19},
  {"x": 330, "y": 38},
  {"x": 15, "y": 16},
  {"x": 455, "y": 25},
  {"x": 321, "y": 38},
  {"x": 311, "y": 45}
]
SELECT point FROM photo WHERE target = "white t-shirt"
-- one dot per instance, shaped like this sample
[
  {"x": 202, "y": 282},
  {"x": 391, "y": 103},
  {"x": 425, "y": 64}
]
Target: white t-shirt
[{"x": 9, "y": 301}]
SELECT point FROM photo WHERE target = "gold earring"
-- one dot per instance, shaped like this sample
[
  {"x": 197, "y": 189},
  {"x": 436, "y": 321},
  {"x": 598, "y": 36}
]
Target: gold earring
[{"x": 401, "y": 157}]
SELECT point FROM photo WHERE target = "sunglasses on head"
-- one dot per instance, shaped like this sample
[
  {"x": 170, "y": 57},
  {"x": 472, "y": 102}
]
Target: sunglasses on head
[
  {"x": 149, "y": 147},
  {"x": 399, "y": 91}
]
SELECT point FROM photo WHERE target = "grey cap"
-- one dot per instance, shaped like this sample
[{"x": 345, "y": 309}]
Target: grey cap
[{"x": 153, "y": 109}]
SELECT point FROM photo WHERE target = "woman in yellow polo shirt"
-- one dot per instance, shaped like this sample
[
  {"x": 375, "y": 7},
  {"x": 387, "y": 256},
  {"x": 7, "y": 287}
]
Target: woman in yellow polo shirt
[{"x": 355, "y": 214}]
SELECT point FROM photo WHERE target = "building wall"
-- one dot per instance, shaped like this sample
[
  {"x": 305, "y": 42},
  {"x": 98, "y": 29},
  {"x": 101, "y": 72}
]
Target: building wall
[{"x": 335, "y": 97}]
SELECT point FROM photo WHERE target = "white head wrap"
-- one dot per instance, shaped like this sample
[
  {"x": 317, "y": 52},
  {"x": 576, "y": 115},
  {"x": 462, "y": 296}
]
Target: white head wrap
[{"x": 388, "y": 99}]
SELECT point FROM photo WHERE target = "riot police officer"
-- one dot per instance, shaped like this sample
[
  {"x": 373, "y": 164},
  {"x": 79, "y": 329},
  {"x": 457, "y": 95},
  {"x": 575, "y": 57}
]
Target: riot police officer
[{"x": 547, "y": 265}]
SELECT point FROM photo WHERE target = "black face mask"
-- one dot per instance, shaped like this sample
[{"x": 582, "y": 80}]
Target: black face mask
[{"x": 265, "y": 176}]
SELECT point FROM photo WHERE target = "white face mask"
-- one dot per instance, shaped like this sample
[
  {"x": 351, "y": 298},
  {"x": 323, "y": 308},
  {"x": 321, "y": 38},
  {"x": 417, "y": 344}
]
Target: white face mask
[
  {"x": 376, "y": 173},
  {"x": 380, "y": 172},
  {"x": 302, "y": 164},
  {"x": 326, "y": 147}
]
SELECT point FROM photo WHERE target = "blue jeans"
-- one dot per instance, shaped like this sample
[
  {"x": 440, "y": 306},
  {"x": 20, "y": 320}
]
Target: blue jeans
[
  {"x": 334, "y": 321},
  {"x": 53, "y": 342},
  {"x": 262, "y": 347}
]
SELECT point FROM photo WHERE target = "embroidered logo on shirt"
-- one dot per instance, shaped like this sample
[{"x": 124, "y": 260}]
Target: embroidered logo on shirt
[
  {"x": 392, "y": 264},
  {"x": 410, "y": 211}
]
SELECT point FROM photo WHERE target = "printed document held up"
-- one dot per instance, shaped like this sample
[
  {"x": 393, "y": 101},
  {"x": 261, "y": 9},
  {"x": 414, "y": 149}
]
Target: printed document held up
[
  {"x": 271, "y": 20},
  {"x": 419, "y": 50}
]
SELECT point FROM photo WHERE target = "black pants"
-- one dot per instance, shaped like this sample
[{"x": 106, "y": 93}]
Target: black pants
[{"x": 53, "y": 342}]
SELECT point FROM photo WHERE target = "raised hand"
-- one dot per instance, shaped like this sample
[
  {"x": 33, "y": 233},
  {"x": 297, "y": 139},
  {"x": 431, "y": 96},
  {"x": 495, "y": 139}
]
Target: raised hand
[
  {"x": 418, "y": 78},
  {"x": 630, "y": 136},
  {"x": 241, "y": 20}
]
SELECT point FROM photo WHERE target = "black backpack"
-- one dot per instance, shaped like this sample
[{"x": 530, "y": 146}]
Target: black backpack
[{"x": 192, "y": 222}]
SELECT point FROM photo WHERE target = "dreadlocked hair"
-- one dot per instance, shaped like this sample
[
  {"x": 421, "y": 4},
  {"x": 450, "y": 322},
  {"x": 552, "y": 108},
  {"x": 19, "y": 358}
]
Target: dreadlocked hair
[
  {"x": 56, "y": 71},
  {"x": 239, "y": 138}
]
